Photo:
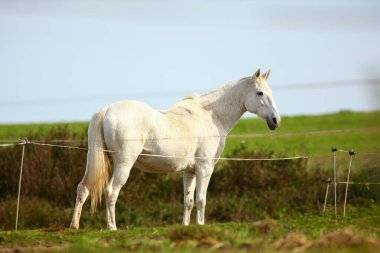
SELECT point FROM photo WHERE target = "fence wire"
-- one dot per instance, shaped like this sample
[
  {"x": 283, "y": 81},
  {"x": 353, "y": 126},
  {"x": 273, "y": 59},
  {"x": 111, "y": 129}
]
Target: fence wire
[
  {"x": 230, "y": 136},
  {"x": 23, "y": 142}
]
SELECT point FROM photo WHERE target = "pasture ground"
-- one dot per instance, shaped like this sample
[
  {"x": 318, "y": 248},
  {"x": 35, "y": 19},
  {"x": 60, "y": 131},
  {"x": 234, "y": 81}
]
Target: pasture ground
[{"x": 359, "y": 232}]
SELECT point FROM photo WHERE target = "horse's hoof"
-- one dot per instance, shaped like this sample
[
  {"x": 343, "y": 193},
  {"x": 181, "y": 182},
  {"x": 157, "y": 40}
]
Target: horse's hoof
[
  {"x": 112, "y": 228},
  {"x": 74, "y": 226}
]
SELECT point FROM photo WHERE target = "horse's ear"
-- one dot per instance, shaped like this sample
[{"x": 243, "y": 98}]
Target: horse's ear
[
  {"x": 256, "y": 75},
  {"x": 266, "y": 75}
]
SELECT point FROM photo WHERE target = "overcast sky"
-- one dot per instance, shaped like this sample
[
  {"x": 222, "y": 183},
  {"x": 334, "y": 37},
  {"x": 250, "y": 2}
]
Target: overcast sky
[{"x": 65, "y": 60}]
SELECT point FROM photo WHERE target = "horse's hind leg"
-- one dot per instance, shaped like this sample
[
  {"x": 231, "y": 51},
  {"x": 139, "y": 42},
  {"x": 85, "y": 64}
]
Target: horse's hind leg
[
  {"x": 82, "y": 194},
  {"x": 118, "y": 179}
]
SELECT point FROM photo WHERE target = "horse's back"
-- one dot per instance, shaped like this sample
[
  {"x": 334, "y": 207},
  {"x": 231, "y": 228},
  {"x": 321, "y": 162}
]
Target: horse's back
[{"x": 121, "y": 111}]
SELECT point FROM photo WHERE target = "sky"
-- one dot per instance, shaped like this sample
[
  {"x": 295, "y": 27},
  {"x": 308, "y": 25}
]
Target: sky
[{"x": 63, "y": 61}]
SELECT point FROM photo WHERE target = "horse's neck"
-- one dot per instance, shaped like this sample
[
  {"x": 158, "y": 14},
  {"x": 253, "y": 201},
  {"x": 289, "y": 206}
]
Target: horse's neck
[{"x": 226, "y": 104}]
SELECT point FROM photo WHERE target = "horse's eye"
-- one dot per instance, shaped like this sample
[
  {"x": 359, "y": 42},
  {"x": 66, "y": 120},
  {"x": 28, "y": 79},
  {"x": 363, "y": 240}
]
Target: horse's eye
[{"x": 260, "y": 93}]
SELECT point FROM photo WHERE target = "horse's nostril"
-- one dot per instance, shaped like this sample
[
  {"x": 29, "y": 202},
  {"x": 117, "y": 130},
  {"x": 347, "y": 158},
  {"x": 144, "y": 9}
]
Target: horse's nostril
[{"x": 274, "y": 121}]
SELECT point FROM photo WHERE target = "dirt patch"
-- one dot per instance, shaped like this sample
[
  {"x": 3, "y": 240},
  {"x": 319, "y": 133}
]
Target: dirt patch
[
  {"x": 54, "y": 229},
  {"x": 345, "y": 238},
  {"x": 264, "y": 227},
  {"x": 292, "y": 241},
  {"x": 198, "y": 236},
  {"x": 16, "y": 249}
]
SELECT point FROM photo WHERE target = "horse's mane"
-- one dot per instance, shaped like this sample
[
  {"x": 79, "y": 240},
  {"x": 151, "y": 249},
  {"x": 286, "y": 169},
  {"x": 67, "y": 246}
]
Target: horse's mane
[
  {"x": 195, "y": 96},
  {"x": 192, "y": 96},
  {"x": 245, "y": 78},
  {"x": 185, "y": 104},
  {"x": 209, "y": 97}
]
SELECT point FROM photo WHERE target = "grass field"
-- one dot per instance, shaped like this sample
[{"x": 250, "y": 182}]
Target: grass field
[
  {"x": 358, "y": 233},
  {"x": 297, "y": 135},
  {"x": 13, "y": 132}
]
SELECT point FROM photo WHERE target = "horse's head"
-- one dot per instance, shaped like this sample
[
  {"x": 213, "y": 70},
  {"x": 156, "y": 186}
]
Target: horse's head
[{"x": 259, "y": 100}]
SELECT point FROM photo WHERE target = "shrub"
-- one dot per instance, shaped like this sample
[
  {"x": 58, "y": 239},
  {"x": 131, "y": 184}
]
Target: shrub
[{"x": 34, "y": 213}]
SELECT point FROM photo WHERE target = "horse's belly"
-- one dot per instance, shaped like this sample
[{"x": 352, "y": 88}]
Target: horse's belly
[
  {"x": 167, "y": 154},
  {"x": 155, "y": 164}
]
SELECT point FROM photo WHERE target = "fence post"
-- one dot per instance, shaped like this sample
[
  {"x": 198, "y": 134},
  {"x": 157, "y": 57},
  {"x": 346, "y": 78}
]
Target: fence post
[
  {"x": 23, "y": 143},
  {"x": 351, "y": 153},
  {"x": 327, "y": 193},
  {"x": 334, "y": 150}
]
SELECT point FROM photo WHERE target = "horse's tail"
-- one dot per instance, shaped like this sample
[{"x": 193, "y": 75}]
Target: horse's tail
[{"x": 97, "y": 167}]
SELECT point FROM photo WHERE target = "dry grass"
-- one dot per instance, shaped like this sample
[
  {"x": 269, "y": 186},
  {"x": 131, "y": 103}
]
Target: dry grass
[
  {"x": 345, "y": 238},
  {"x": 264, "y": 227}
]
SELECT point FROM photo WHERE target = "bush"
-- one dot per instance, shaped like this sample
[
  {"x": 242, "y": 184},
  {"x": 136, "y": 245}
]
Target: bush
[
  {"x": 34, "y": 213},
  {"x": 257, "y": 189},
  {"x": 50, "y": 173}
]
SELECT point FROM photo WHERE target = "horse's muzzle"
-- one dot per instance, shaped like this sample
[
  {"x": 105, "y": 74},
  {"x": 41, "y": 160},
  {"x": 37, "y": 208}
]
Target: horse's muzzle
[{"x": 273, "y": 123}]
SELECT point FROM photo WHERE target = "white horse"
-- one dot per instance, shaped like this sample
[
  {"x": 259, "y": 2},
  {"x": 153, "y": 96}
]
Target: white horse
[{"x": 188, "y": 137}]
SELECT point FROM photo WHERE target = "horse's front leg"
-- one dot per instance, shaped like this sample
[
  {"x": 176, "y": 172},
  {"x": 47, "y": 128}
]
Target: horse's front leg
[
  {"x": 188, "y": 195},
  {"x": 203, "y": 172}
]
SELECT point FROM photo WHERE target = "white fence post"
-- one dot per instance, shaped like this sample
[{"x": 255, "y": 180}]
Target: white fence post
[
  {"x": 351, "y": 153},
  {"x": 327, "y": 193},
  {"x": 23, "y": 143},
  {"x": 334, "y": 150}
]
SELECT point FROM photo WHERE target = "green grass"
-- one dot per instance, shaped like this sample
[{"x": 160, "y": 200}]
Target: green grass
[
  {"x": 303, "y": 142},
  {"x": 300, "y": 141},
  {"x": 287, "y": 234},
  {"x": 13, "y": 132}
]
